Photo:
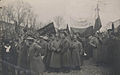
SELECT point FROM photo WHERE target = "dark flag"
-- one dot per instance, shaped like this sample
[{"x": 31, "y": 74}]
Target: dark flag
[
  {"x": 98, "y": 24},
  {"x": 67, "y": 29},
  {"x": 49, "y": 29},
  {"x": 113, "y": 27},
  {"x": 83, "y": 32},
  {"x": 88, "y": 31}
]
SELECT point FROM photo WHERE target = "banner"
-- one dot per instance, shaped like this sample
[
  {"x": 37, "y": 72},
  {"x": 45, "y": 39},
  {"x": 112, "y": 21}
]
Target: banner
[
  {"x": 49, "y": 29},
  {"x": 98, "y": 24},
  {"x": 83, "y": 32}
]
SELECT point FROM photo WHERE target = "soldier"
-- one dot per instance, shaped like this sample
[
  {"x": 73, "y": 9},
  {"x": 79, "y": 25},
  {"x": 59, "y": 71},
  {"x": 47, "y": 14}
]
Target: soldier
[
  {"x": 65, "y": 53},
  {"x": 95, "y": 43},
  {"x": 23, "y": 60},
  {"x": 9, "y": 58},
  {"x": 55, "y": 62},
  {"x": 77, "y": 51},
  {"x": 13, "y": 57},
  {"x": 43, "y": 43},
  {"x": 48, "y": 53},
  {"x": 36, "y": 63},
  {"x": 4, "y": 57}
]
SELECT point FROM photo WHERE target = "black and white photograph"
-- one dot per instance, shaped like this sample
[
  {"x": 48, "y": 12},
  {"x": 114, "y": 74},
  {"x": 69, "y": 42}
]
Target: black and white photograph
[{"x": 59, "y": 37}]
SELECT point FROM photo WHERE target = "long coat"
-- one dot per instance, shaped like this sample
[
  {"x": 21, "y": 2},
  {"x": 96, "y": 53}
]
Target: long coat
[
  {"x": 95, "y": 42},
  {"x": 65, "y": 53},
  {"x": 48, "y": 54},
  {"x": 23, "y": 60},
  {"x": 77, "y": 50},
  {"x": 55, "y": 61},
  {"x": 36, "y": 63},
  {"x": 9, "y": 58},
  {"x": 4, "y": 57},
  {"x": 43, "y": 44}
]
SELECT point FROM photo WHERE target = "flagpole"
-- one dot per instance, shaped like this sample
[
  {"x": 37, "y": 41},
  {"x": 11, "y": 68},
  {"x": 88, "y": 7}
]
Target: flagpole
[
  {"x": 97, "y": 9},
  {"x": 97, "y": 20}
]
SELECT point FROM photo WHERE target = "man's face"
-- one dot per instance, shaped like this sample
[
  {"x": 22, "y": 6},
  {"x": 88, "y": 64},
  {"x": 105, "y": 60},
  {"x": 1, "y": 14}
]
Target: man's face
[
  {"x": 52, "y": 37},
  {"x": 77, "y": 35},
  {"x": 62, "y": 35},
  {"x": 74, "y": 37},
  {"x": 28, "y": 42}
]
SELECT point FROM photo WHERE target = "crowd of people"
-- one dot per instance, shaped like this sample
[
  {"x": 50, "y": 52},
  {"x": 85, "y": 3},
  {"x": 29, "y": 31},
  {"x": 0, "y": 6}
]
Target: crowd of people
[{"x": 58, "y": 53}]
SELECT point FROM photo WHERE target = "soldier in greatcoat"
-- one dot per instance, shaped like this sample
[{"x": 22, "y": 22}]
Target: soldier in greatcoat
[
  {"x": 9, "y": 58},
  {"x": 77, "y": 51},
  {"x": 23, "y": 60},
  {"x": 65, "y": 53},
  {"x": 95, "y": 43},
  {"x": 43, "y": 43},
  {"x": 55, "y": 62},
  {"x": 4, "y": 56},
  {"x": 48, "y": 53},
  {"x": 36, "y": 63}
]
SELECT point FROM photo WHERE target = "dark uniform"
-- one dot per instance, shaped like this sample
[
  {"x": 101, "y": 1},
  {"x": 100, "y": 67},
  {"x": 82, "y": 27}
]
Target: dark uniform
[
  {"x": 95, "y": 42},
  {"x": 47, "y": 56},
  {"x": 23, "y": 60},
  {"x": 55, "y": 62},
  {"x": 4, "y": 61},
  {"x": 36, "y": 63},
  {"x": 9, "y": 59},
  {"x": 65, "y": 54},
  {"x": 77, "y": 51}
]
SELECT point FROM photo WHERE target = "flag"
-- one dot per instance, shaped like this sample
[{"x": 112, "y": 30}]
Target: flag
[
  {"x": 113, "y": 27},
  {"x": 67, "y": 29},
  {"x": 98, "y": 24},
  {"x": 88, "y": 31},
  {"x": 48, "y": 29},
  {"x": 83, "y": 32}
]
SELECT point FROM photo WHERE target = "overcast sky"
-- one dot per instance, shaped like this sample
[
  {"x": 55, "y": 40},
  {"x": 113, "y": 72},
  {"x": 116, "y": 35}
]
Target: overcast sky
[{"x": 75, "y": 10}]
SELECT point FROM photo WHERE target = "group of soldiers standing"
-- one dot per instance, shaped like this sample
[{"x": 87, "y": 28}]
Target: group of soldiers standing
[
  {"x": 58, "y": 53},
  {"x": 63, "y": 53}
]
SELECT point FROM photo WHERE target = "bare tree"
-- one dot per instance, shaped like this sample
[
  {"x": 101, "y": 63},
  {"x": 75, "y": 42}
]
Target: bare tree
[
  {"x": 16, "y": 12},
  {"x": 20, "y": 13},
  {"x": 3, "y": 14}
]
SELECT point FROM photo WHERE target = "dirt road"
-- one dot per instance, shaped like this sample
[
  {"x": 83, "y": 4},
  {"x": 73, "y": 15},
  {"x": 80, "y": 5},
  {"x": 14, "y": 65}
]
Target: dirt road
[{"x": 88, "y": 68}]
